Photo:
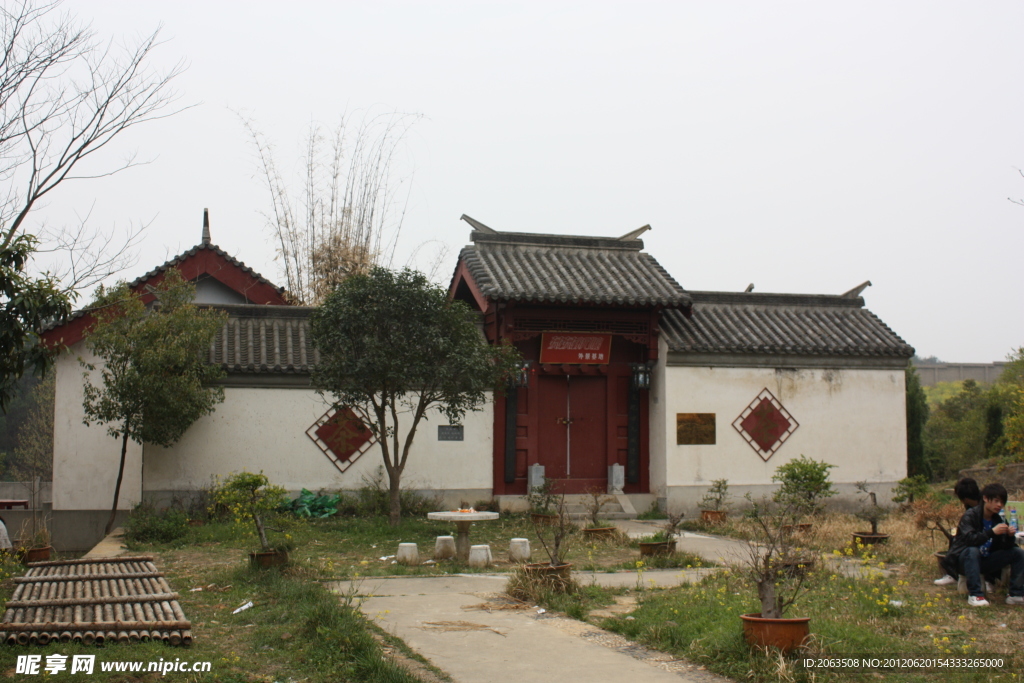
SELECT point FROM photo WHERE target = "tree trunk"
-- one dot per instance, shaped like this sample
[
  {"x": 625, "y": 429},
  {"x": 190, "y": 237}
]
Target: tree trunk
[
  {"x": 117, "y": 487},
  {"x": 264, "y": 543},
  {"x": 769, "y": 604},
  {"x": 395, "y": 512}
]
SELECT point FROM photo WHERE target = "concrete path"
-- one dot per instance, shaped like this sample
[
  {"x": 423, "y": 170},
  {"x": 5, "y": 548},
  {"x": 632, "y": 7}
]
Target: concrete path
[
  {"x": 716, "y": 549},
  {"x": 463, "y": 625},
  {"x": 111, "y": 546}
]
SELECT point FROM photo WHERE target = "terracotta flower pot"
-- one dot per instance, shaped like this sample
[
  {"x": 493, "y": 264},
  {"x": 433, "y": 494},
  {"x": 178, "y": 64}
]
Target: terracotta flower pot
[
  {"x": 37, "y": 554},
  {"x": 270, "y": 558},
  {"x": 652, "y": 548},
  {"x": 868, "y": 538},
  {"x": 713, "y": 516},
  {"x": 786, "y": 634}
]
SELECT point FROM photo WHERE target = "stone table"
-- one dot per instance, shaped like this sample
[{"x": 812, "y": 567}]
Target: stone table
[{"x": 462, "y": 521}]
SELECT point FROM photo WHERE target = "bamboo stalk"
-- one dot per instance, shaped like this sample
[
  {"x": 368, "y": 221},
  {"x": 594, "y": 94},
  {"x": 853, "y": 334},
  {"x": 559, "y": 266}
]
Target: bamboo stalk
[
  {"x": 101, "y": 626},
  {"x": 93, "y": 560},
  {"x": 107, "y": 600},
  {"x": 68, "y": 578}
]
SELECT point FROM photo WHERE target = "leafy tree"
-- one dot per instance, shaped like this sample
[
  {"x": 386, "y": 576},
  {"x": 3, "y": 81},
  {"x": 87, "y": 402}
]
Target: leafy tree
[
  {"x": 955, "y": 434},
  {"x": 393, "y": 347},
  {"x": 917, "y": 417},
  {"x": 26, "y": 304},
  {"x": 154, "y": 381},
  {"x": 33, "y": 456},
  {"x": 1010, "y": 388}
]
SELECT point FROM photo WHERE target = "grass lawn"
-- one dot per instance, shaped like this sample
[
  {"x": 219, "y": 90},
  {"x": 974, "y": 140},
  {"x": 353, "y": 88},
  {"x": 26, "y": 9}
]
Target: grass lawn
[
  {"x": 297, "y": 631},
  {"x": 892, "y": 609}
]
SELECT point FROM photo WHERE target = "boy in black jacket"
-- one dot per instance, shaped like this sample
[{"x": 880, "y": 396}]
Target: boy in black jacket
[{"x": 984, "y": 543}]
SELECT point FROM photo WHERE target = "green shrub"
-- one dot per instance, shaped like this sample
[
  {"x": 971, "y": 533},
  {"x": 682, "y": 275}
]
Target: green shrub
[
  {"x": 804, "y": 485},
  {"x": 146, "y": 524}
]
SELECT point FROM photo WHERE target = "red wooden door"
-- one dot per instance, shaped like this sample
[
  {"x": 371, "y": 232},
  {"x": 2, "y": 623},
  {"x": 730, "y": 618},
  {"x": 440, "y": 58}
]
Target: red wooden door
[{"x": 573, "y": 434}]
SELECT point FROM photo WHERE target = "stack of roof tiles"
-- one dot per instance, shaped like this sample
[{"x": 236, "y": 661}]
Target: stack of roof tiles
[{"x": 121, "y": 599}]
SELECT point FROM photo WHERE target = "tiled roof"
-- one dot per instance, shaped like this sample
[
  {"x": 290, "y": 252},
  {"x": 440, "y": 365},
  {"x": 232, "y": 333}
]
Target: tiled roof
[
  {"x": 566, "y": 269},
  {"x": 264, "y": 340},
  {"x": 180, "y": 258},
  {"x": 798, "y": 324},
  {"x": 194, "y": 251}
]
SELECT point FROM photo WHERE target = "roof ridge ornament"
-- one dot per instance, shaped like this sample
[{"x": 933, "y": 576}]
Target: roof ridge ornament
[
  {"x": 855, "y": 292},
  {"x": 635, "y": 235},
  {"x": 206, "y": 227},
  {"x": 477, "y": 225}
]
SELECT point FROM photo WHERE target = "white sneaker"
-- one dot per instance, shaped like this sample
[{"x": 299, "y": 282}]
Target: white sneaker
[
  {"x": 977, "y": 601},
  {"x": 961, "y": 585},
  {"x": 946, "y": 580},
  {"x": 1014, "y": 600}
]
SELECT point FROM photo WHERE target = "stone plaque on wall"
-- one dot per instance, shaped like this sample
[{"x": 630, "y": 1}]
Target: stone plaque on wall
[
  {"x": 449, "y": 433},
  {"x": 694, "y": 429}
]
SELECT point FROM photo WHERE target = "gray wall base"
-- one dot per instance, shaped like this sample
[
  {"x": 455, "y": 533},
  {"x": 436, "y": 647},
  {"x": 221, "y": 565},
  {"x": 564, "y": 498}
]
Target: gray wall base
[{"x": 686, "y": 499}]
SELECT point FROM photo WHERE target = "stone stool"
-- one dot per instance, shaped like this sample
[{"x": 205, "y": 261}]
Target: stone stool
[
  {"x": 444, "y": 548},
  {"x": 519, "y": 550},
  {"x": 408, "y": 553},
  {"x": 480, "y": 556}
]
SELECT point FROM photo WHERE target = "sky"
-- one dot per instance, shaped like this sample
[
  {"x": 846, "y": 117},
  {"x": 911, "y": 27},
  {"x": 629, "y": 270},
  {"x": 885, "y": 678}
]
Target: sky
[{"x": 799, "y": 146}]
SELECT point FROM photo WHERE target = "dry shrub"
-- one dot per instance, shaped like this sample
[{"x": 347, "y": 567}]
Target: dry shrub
[{"x": 536, "y": 587}]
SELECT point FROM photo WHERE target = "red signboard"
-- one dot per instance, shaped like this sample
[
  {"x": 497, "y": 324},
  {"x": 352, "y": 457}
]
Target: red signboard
[{"x": 576, "y": 348}]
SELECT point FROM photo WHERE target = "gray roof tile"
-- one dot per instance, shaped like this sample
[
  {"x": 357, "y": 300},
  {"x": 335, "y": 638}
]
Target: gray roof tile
[
  {"x": 264, "y": 339},
  {"x": 569, "y": 269},
  {"x": 798, "y": 324}
]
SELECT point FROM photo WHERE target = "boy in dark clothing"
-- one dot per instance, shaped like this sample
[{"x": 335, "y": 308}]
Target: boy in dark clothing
[
  {"x": 984, "y": 543},
  {"x": 967, "y": 491}
]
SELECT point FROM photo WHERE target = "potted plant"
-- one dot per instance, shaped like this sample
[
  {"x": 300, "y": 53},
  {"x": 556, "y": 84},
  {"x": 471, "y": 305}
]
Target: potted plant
[
  {"x": 713, "y": 505},
  {"x": 542, "y": 501},
  {"x": 804, "y": 487},
  {"x": 251, "y": 496},
  {"x": 933, "y": 516},
  {"x": 554, "y": 538},
  {"x": 770, "y": 560},
  {"x": 596, "y": 527},
  {"x": 35, "y": 547},
  {"x": 663, "y": 542},
  {"x": 872, "y": 513}
]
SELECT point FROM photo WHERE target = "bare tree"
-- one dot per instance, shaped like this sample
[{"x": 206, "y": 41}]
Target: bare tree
[
  {"x": 349, "y": 213},
  {"x": 64, "y": 96}
]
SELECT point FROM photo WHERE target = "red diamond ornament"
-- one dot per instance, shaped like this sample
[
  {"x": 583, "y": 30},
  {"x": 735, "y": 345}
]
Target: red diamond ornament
[
  {"x": 342, "y": 436},
  {"x": 765, "y": 424}
]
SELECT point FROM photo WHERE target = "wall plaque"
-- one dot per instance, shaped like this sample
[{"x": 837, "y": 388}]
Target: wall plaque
[
  {"x": 449, "y": 433},
  {"x": 694, "y": 429}
]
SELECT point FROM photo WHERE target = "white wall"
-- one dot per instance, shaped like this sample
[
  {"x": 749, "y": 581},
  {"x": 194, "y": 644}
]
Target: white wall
[
  {"x": 85, "y": 459},
  {"x": 265, "y": 429},
  {"x": 852, "y": 418}
]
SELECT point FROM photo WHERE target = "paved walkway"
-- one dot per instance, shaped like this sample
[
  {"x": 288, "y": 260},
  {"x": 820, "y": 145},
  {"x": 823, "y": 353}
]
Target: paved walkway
[
  {"x": 464, "y": 626},
  {"x": 111, "y": 546}
]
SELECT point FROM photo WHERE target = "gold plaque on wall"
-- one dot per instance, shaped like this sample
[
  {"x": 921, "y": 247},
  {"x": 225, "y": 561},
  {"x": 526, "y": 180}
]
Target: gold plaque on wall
[{"x": 693, "y": 429}]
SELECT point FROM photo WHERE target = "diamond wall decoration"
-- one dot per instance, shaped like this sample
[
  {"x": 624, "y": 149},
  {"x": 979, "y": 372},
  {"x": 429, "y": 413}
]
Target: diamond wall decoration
[
  {"x": 765, "y": 424},
  {"x": 342, "y": 436}
]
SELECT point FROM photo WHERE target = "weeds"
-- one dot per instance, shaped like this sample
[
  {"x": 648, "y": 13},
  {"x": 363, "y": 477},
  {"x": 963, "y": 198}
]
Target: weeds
[{"x": 146, "y": 524}]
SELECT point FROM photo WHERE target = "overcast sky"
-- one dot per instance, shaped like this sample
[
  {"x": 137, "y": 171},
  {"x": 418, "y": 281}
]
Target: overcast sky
[{"x": 803, "y": 147}]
